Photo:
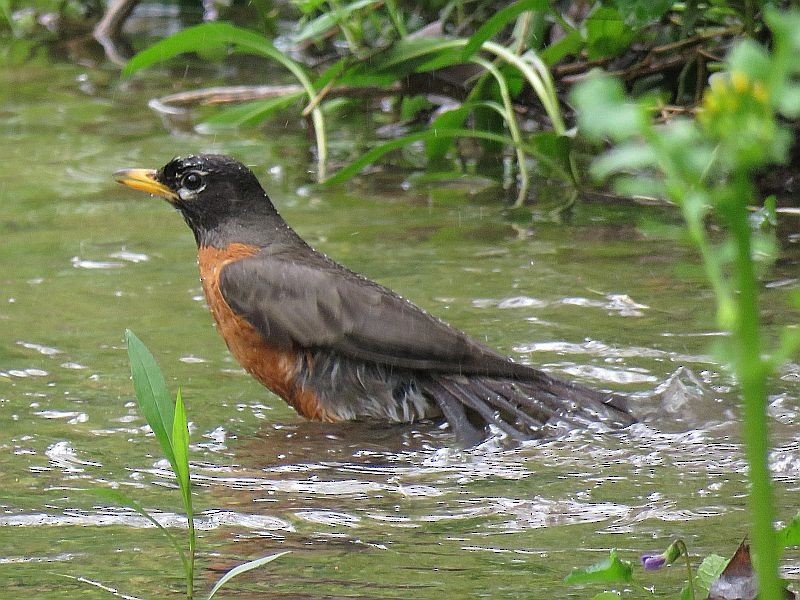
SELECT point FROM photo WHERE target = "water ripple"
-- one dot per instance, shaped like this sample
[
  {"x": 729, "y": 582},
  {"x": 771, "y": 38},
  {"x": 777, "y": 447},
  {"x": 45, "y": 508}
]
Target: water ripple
[{"x": 113, "y": 516}]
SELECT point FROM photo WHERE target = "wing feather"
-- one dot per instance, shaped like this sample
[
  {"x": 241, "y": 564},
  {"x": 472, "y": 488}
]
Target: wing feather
[{"x": 310, "y": 301}]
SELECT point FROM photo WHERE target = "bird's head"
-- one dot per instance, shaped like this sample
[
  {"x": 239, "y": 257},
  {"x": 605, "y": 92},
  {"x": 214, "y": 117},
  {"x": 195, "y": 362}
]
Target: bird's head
[{"x": 218, "y": 196}]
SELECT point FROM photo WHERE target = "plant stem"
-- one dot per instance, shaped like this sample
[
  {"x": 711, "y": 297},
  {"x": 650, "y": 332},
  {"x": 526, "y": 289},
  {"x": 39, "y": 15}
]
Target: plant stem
[
  {"x": 539, "y": 78},
  {"x": 190, "y": 570},
  {"x": 751, "y": 369},
  {"x": 397, "y": 19},
  {"x": 689, "y": 575},
  {"x": 513, "y": 128}
]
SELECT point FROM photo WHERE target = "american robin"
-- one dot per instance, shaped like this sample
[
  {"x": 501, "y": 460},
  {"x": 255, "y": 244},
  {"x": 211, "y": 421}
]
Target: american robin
[{"x": 337, "y": 346}]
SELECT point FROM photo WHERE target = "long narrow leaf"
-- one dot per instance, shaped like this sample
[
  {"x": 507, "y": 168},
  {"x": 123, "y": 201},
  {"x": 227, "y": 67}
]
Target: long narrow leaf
[
  {"x": 152, "y": 395},
  {"x": 215, "y": 35},
  {"x": 249, "y": 113},
  {"x": 329, "y": 19},
  {"x": 436, "y": 147},
  {"x": 539, "y": 78},
  {"x": 180, "y": 444},
  {"x": 118, "y": 497},
  {"x": 244, "y": 568},
  {"x": 372, "y": 155},
  {"x": 405, "y": 55},
  {"x": 201, "y": 38},
  {"x": 499, "y": 20}
]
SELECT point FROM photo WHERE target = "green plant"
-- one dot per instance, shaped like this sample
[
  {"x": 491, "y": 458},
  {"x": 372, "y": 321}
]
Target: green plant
[
  {"x": 616, "y": 570},
  {"x": 706, "y": 167},
  {"x": 375, "y": 54},
  {"x": 405, "y": 57},
  {"x": 170, "y": 426}
]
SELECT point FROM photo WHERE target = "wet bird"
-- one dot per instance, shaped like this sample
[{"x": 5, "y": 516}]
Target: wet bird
[{"x": 337, "y": 346}]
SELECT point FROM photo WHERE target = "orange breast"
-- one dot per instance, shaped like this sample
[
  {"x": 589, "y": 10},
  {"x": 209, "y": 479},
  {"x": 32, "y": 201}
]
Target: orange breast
[{"x": 276, "y": 369}]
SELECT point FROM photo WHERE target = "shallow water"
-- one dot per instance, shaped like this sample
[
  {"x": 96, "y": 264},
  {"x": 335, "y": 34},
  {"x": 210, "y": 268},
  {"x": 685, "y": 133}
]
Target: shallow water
[{"x": 612, "y": 296}]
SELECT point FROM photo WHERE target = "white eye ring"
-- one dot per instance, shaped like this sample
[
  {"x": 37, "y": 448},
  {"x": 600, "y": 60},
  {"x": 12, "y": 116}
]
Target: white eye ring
[{"x": 191, "y": 183}]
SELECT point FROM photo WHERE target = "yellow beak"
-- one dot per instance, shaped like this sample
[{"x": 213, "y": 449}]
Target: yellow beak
[{"x": 145, "y": 181}]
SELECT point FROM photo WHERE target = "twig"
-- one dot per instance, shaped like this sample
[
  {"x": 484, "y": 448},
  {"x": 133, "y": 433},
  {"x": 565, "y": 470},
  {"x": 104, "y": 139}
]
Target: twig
[{"x": 174, "y": 104}]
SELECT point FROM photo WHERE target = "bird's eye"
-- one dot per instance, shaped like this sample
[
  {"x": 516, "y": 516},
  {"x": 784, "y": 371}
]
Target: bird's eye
[{"x": 192, "y": 181}]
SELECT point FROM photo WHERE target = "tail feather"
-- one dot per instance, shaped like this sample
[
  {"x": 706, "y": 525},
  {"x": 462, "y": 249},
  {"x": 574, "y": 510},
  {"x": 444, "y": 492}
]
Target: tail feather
[
  {"x": 534, "y": 419},
  {"x": 535, "y": 401},
  {"x": 455, "y": 412},
  {"x": 463, "y": 389},
  {"x": 524, "y": 409}
]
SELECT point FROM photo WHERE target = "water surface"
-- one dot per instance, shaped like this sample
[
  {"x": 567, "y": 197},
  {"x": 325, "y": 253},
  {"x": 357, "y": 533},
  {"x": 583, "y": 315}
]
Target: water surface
[{"x": 611, "y": 295}]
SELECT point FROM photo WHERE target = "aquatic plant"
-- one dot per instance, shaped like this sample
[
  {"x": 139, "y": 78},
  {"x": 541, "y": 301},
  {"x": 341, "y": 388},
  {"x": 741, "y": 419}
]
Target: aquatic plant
[
  {"x": 503, "y": 58},
  {"x": 706, "y": 166},
  {"x": 169, "y": 423}
]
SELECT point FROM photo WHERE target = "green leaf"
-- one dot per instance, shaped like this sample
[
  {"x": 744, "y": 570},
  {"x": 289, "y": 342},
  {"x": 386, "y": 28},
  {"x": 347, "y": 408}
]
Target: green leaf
[
  {"x": 117, "y": 497},
  {"x": 710, "y": 569},
  {"x": 308, "y": 6},
  {"x": 624, "y": 157},
  {"x": 204, "y": 37},
  {"x": 249, "y": 113},
  {"x": 784, "y": 24},
  {"x": 180, "y": 443},
  {"x": 570, "y": 44},
  {"x": 154, "y": 399},
  {"x": 406, "y": 55},
  {"x": 643, "y": 12},
  {"x": 604, "y": 110},
  {"x": 789, "y": 101},
  {"x": 375, "y": 153},
  {"x": 499, "y": 20},
  {"x": 335, "y": 71},
  {"x": 244, "y": 568},
  {"x": 606, "y": 33},
  {"x": 554, "y": 149},
  {"x": 609, "y": 570},
  {"x": 686, "y": 592},
  {"x": 6, "y": 15},
  {"x": 329, "y": 19},
  {"x": 436, "y": 147},
  {"x": 789, "y": 534},
  {"x": 752, "y": 59}
]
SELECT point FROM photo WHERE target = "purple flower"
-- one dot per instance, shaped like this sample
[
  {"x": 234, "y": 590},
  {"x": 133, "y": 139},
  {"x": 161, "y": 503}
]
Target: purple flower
[{"x": 653, "y": 562}]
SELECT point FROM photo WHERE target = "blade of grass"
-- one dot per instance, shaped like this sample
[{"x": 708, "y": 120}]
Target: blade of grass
[
  {"x": 535, "y": 71},
  {"x": 404, "y": 56},
  {"x": 244, "y": 568},
  {"x": 180, "y": 441}
]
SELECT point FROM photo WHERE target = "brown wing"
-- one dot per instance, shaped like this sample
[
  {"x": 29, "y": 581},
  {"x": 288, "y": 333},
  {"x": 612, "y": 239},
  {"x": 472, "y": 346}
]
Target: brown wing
[{"x": 312, "y": 302}]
